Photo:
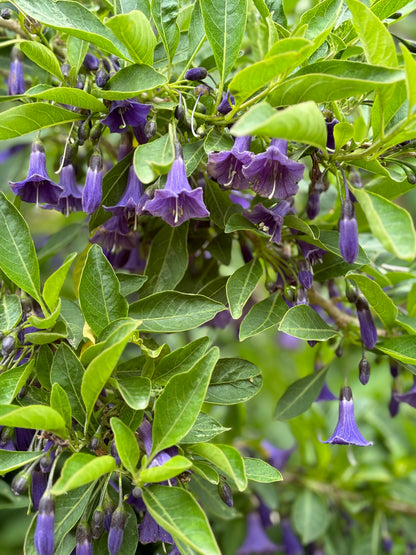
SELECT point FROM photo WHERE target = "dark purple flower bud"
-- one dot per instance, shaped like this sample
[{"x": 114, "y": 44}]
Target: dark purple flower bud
[
  {"x": 225, "y": 106},
  {"x": 20, "y": 482},
  {"x": 38, "y": 487},
  {"x": 325, "y": 394},
  {"x": 290, "y": 541},
  {"x": 84, "y": 539},
  {"x": 126, "y": 112},
  {"x": 179, "y": 112},
  {"x": 96, "y": 132},
  {"x": 351, "y": 291},
  {"x": 364, "y": 371},
  {"x": 177, "y": 202},
  {"x": 115, "y": 62},
  {"x": 256, "y": 540},
  {"x": 94, "y": 443},
  {"x": 367, "y": 328},
  {"x": 302, "y": 295},
  {"x": 114, "y": 453},
  {"x": 97, "y": 523},
  {"x": 65, "y": 70},
  {"x": 24, "y": 438},
  {"x": 386, "y": 541},
  {"x": 313, "y": 205},
  {"x": 305, "y": 274},
  {"x": 133, "y": 199},
  {"x": 409, "y": 397},
  {"x": 150, "y": 129},
  {"x": 44, "y": 533},
  {"x": 330, "y": 141},
  {"x": 394, "y": 404},
  {"x": 116, "y": 532},
  {"x": 108, "y": 507},
  {"x": 394, "y": 368},
  {"x": 15, "y": 81},
  {"x": 346, "y": 431},
  {"x": 80, "y": 82},
  {"x": 91, "y": 62},
  {"x": 272, "y": 174},
  {"x": 196, "y": 74},
  {"x": 348, "y": 232},
  {"x": 92, "y": 193},
  {"x": 37, "y": 187},
  {"x": 101, "y": 78},
  {"x": 226, "y": 167},
  {"x": 151, "y": 532},
  {"x": 225, "y": 493},
  {"x": 8, "y": 345}
]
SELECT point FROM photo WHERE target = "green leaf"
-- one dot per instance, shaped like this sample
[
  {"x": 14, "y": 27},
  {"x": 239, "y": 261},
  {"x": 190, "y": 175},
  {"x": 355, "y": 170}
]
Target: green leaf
[
  {"x": 17, "y": 252},
  {"x": 71, "y": 96},
  {"x": 100, "y": 369},
  {"x": 193, "y": 153},
  {"x": 171, "y": 311},
  {"x": 179, "y": 361},
  {"x": 129, "y": 81},
  {"x": 177, "y": 408},
  {"x": 99, "y": 292},
  {"x": 72, "y": 316},
  {"x": 126, "y": 443},
  {"x": 42, "y": 56},
  {"x": 233, "y": 381},
  {"x": 303, "y": 322},
  {"x": 67, "y": 371},
  {"x": 263, "y": 316},
  {"x": 165, "y": 13},
  {"x": 196, "y": 33},
  {"x": 300, "y": 395},
  {"x": 333, "y": 80},
  {"x": 401, "y": 348},
  {"x": 204, "y": 429},
  {"x": 392, "y": 225},
  {"x": 343, "y": 132},
  {"x": 135, "y": 391},
  {"x": 130, "y": 283},
  {"x": 225, "y": 23},
  {"x": 303, "y": 123},
  {"x": 380, "y": 302},
  {"x": 76, "y": 50},
  {"x": 207, "y": 472},
  {"x": 44, "y": 337},
  {"x": 376, "y": 39},
  {"x": 167, "y": 260},
  {"x": 49, "y": 321},
  {"x": 10, "y": 460},
  {"x": 241, "y": 285},
  {"x": 34, "y": 417},
  {"x": 12, "y": 381},
  {"x": 189, "y": 525},
  {"x": 319, "y": 20},
  {"x": 226, "y": 458},
  {"x": 130, "y": 5},
  {"x": 60, "y": 403},
  {"x": 310, "y": 516},
  {"x": 410, "y": 66},
  {"x": 261, "y": 471},
  {"x": 154, "y": 158},
  {"x": 55, "y": 281},
  {"x": 171, "y": 468},
  {"x": 80, "y": 469},
  {"x": 135, "y": 32},
  {"x": 10, "y": 312},
  {"x": 27, "y": 118},
  {"x": 218, "y": 202}
]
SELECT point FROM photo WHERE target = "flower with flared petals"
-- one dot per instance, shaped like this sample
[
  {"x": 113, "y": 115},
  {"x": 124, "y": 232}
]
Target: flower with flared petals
[
  {"x": 346, "y": 431},
  {"x": 132, "y": 200},
  {"x": 151, "y": 532},
  {"x": 270, "y": 220},
  {"x": 368, "y": 329},
  {"x": 115, "y": 235},
  {"x": 70, "y": 200},
  {"x": 44, "y": 533},
  {"x": 272, "y": 174},
  {"x": 177, "y": 202},
  {"x": 226, "y": 167},
  {"x": 226, "y": 104},
  {"x": 409, "y": 397},
  {"x": 128, "y": 112},
  {"x": 256, "y": 541},
  {"x": 15, "y": 81},
  {"x": 116, "y": 532},
  {"x": 37, "y": 187},
  {"x": 93, "y": 189},
  {"x": 348, "y": 232}
]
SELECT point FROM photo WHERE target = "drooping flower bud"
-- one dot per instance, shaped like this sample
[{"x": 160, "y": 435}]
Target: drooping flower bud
[
  {"x": 97, "y": 523},
  {"x": 44, "y": 533},
  {"x": 225, "y": 493},
  {"x": 38, "y": 487},
  {"x": 348, "y": 232},
  {"x": 20, "y": 482},
  {"x": 305, "y": 274},
  {"x": 91, "y": 62},
  {"x": 83, "y": 538},
  {"x": 114, "y": 452},
  {"x": 225, "y": 106},
  {"x": 367, "y": 328},
  {"x": 351, "y": 291},
  {"x": 16, "y": 82},
  {"x": 94, "y": 443},
  {"x": 116, "y": 533},
  {"x": 92, "y": 193},
  {"x": 364, "y": 371},
  {"x": 196, "y": 74},
  {"x": 101, "y": 78},
  {"x": 150, "y": 129},
  {"x": 108, "y": 507},
  {"x": 394, "y": 368},
  {"x": 8, "y": 345}
]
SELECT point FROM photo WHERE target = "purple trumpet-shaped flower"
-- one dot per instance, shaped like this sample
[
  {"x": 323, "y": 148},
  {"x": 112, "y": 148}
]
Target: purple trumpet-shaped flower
[
  {"x": 226, "y": 104},
  {"x": 272, "y": 173},
  {"x": 84, "y": 539},
  {"x": 93, "y": 190},
  {"x": 290, "y": 541},
  {"x": 15, "y": 81},
  {"x": 132, "y": 201},
  {"x": 44, "y": 533},
  {"x": 70, "y": 198},
  {"x": 409, "y": 397},
  {"x": 177, "y": 202},
  {"x": 38, "y": 487},
  {"x": 128, "y": 112},
  {"x": 270, "y": 220},
  {"x": 226, "y": 167},
  {"x": 151, "y": 532},
  {"x": 367, "y": 327},
  {"x": 330, "y": 141},
  {"x": 256, "y": 541},
  {"x": 37, "y": 187},
  {"x": 115, "y": 235},
  {"x": 348, "y": 232},
  {"x": 346, "y": 431},
  {"x": 116, "y": 532},
  {"x": 275, "y": 456}
]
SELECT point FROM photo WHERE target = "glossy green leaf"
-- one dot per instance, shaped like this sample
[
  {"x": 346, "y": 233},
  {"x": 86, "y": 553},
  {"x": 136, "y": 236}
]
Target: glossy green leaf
[
  {"x": 72, "y": 316},
  {"x": 135, "y": 32},
  {"x": 165, "y": 13},
  {"x": 401, "y": 348},
  {"x": 99, "y": 292},
  {"x": 177, "y": 408},
  {"x": 10, "y": 312},
  {"x": 42, "y": 56},
  {"x": 171, "y": 468},
  {"x": 379, "y": 301},
  {"x": 55, "y": 281},
  {"x": 300, "y": 395},
  {"x": 410, "y": 65},
  {"x": 34, "y": 417},
  {"x": 41, "y": 337},
  {"x": 241, "y": 285},
  {"x": 218, "y": 203},
  {"x": 263, "y": 316},
  {"x": 180, "y": 360},
  {"x": 392, "y": 225},
  {"x": 207, "y": 472},
  {"x": 135, "y": 391},
  {"x": 68, "y": 372},
  {"x": 206, "y": 491},
  {"x": 154, "y": 158},
  {"x": 303, "y": 322},
  {"x": 343, "y": 132},
  {"x": 233, "y": 381},
  {"x": 17, "y": 252},
  {"x": 303, "y": 123},
  {"x": 10, "y": 460},
  {"x": 193, "y": 154},
  {"x": 130, "y": 5},
  {"x": 76, "y": 50},
  {"x": 49, "y": 321},
  {"x": 171, "y": 311},
  {"x": 131, "y": 80},
  {"x": 188, "y": 525},
  {"x": 167, "y": 260},
  {"x": 261, "y": 471},
  {"x": 130, "y": 283},
  {"x": 204, "y": 429},
  {"x": 310, "y": 516},
  {"x": 71, "y": 96},
  {"x": 226, "y": 458},
  {"x": 319, "y": 20},
  {"x": 12, "y": 381},
  {"x": 126, "y": 443},
  {"x": 80, "y": 469},
  {"x": 225, "y": 23},
  {"x": 60, "y": 403},
  {"x": 196, "y": 33}
]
